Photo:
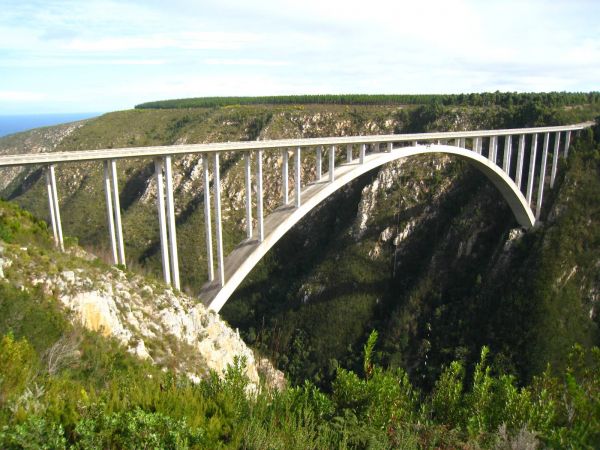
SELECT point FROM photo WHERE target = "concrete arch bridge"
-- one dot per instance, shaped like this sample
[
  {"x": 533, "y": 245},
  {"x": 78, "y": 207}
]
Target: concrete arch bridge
[{"x": 515, "y": 160}]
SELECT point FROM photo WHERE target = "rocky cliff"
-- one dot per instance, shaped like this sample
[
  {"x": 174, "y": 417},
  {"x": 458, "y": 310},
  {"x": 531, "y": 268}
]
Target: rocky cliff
[{"x": 170, "y": 329}]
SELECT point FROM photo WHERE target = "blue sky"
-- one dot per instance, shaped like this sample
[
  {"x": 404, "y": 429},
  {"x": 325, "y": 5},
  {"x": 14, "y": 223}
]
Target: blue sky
[{"x": 99, "y": 55}]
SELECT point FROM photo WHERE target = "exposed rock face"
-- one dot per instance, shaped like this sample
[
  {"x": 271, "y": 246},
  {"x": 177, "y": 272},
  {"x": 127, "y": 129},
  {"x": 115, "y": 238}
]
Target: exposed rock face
[
  {"x": 368, "y": 201},
  {"x": 151, "y": 321}
]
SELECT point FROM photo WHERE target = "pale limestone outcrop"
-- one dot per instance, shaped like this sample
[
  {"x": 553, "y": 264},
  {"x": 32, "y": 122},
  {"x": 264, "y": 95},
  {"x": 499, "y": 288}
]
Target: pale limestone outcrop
[
  {"x": 368, "y": 200},
  {"x": 152, "y": 321}
]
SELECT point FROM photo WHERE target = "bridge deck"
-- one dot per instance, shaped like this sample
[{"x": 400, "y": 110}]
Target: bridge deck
[{"x": 183, "y": 149}]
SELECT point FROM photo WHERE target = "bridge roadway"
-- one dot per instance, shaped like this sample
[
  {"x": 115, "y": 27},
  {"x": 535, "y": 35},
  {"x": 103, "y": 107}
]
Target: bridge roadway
[
  {"x": 163, "y": 150},
  {"x": 248, "y": 253}
]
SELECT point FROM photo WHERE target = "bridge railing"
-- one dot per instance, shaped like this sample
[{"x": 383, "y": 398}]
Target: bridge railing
[{"x": 505, "y": 148}]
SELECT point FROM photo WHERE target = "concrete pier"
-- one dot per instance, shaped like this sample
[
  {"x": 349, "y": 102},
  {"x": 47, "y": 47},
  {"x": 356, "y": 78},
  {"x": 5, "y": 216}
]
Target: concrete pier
[
  {"x": 109, "y": 213},
  {"x": 555, "y": 158},
  {"x": 531, "y": 177},
  {"x": 54, "y": 208},
  {"x": 477, "y": 144},
  {"x": 540, "y": 194},
  {"x": 117, "y": 212},
  {"x": 298, "y": 181},
  {"x": 285, "y": 176},
  {"x": 162, "y": 220},
  {"x": 332, "y": 163},
  {"x": 520, "y": 156},
  {"x": 319, "y": 162},
  {"x": 218, "y": 223},
  {"x": 259, "y": 196},
  {"x": 174, "y": 259},
  {"x": 493, "y": 149},
  {"x": 207, "y": 219},
  {"x": 507, "y": 153},
  {"x": 248, "y": 180}
]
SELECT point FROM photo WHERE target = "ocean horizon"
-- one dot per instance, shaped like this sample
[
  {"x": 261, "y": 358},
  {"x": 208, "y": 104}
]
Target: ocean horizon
[{"x": 10, "y": 124}]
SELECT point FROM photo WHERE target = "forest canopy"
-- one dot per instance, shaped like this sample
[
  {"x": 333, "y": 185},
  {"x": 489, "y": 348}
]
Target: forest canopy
[{"x": 503, "y": 99}]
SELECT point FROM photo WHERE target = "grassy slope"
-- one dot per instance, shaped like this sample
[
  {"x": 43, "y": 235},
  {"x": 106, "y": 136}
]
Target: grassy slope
[{"x": 359, "y": 294}]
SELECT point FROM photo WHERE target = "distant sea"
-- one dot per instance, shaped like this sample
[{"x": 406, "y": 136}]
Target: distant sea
[{"x": 23, "y": 122}]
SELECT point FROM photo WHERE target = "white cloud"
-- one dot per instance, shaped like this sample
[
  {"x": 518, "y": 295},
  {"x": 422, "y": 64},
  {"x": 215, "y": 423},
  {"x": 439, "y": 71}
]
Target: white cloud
[
  {"x": 184, "y": 40},
  {"x": 244, "y": 62},
  {"x": 21, "y": 96},
  {"x": 64, "y": 62}
]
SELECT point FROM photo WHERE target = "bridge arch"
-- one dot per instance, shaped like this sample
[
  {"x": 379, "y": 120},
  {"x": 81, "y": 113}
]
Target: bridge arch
[{"x": 246, "y": 255}]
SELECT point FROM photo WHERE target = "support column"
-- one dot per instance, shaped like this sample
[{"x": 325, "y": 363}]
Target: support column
[
  {"x": 363, "y": 149},
  {"x": 51, "y": 209},
  {"x": 415, "y": 143},
  {"x": 285, "y": 176},
  {"x": 493, "y": 149},
  {"x": 375, "y": 147},
  {"x": 162, "y": 221},
  {"x": 332, "y": 163},
  {"x": 297, "y": 167},
  {"x": 520, "y": 156},
  {"x": 532, "y": 157},
  {"x": 507, "y": 154},
  {"x": 218, "y": 224},
  {"x": 248, "y": 196},
  {"x": 555, "y": 158},
  {"x": 477, "y": 145},
  {"x": 171, "y": 224},
  {"x": 56, "y": 209},
  {"x": 109, "y": 213},
  {"x": 319, "y": 162},
  {"x": 390, "y": 146},
  {"x": 462, "y": 143},
  {"x": 117, "y": 213},
  {"x": 349, "y": 153},
  {"x": 567, "y": 144},
  {"x": 207, "y": 219},
  {"x": 259, "y": 196},
  {"x": 540, "y": 193}
]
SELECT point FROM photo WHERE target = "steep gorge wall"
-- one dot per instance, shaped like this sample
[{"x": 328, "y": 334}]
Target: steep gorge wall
[
  {"x": 421, "y": 249},
  {"x": 427, "y": 252}
]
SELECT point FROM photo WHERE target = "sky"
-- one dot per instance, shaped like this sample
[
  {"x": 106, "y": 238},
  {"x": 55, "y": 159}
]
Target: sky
[{"x": 62, "y": 56}]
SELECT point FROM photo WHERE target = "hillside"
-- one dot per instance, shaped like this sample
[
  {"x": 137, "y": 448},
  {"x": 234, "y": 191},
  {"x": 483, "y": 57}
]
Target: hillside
[
  {"x": 147, "y": 319},
  {"x": 428, "y": 253},
  {"x": 423, "y": 250},
  {"x": 64, "y": 385},
  {"x": 434, "y": 300}
]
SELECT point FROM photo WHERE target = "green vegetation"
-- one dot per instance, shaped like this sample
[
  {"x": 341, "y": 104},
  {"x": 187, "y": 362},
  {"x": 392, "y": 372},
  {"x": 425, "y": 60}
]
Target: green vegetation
[
  {"x": 503, "y": 99},
  {"x": 433, "y": 300},
  {"x": 456, "y": 285},
  {"x": 79, "y": 390}
]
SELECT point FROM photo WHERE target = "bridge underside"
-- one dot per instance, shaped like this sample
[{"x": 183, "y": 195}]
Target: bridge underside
[{"x": 246, "y": 255}]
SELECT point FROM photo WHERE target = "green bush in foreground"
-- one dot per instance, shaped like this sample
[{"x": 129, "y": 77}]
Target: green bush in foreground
[{"x": 134, "y": 406}]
